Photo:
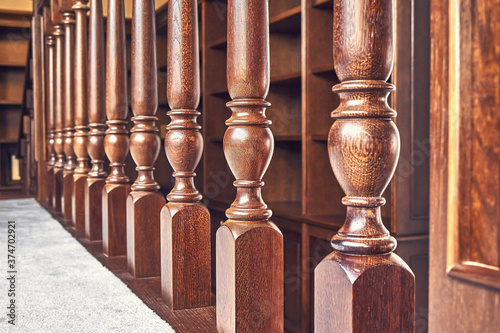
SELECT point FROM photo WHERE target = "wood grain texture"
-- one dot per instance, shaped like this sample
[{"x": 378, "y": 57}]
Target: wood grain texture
[
  {"x": 81, "y": 117},
  {"x": 58, "y": 117},
  {"x": 464, "y": 293},
  {"x": 96, "y": 116},
  {"x": 50, "y": 107},
  {"x": 116, "y": 141},
  {"x": 363, "y": 146},
  {"x": 69, "y": 115},
  {"x": 249, "y": 248},
  {"x": 185, "y": 222},
  {"x": 144, "y": 202}
]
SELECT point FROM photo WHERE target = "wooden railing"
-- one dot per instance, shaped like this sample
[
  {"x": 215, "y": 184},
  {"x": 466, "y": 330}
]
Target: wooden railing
[{"x": 360, "y": 287}]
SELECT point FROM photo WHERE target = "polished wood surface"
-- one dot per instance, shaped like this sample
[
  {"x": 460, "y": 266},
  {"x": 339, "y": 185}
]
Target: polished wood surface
[
  {"x": 363, "y": 146},
  {"x": 97, "y": 116},
  {"x": 58, "y": 118},
  {"x": 464, "y": 293},
  {"x": 116, "y": 142},
  {"x": 185, "y": 222},
  {"x": 144, "y": 202},
  {"x": 80, "y": 140},
  {"x": 249, "y": 248},
  {"x": 69, "y": 114}
]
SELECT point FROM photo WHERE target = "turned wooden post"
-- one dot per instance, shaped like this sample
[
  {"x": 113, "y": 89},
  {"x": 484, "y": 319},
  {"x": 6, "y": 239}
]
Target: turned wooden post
[
  {"x": 69, "y": 116},
  {"x": 50, "y": 107},
  {"x": 144, "y": 202},
  {"x": 81, "y": 121},
  {"x": 185, "y": 221},
  {"x": 362, "y": 286},
  {"x": 59, "y": 118},
  {"x": 249, "y": 248},
  {"x": 97, "y": 116},
  {"x": 116, "y": 142}
]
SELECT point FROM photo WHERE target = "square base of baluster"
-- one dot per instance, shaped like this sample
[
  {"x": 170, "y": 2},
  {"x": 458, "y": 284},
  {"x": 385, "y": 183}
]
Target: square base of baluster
[
  {"x": 78, "y": 201},
  {"x": 49, "y": 199},
  {"x": 67, "y": 196},
  {"x": 185, "y": 255},
  {"x": 114, "y": 219},
  {"x": 249, "y": 269},
  {"x": 57, "y": 190},
  {"x": 143, "y": 233},
  {"x": 93, "y": 208},
  {"x": 361, "y": 293}
]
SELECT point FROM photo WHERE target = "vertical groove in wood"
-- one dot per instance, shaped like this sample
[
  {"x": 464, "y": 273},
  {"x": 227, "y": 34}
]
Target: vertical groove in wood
[
  {"x": 116, "y": 142},
  {"x": 81, "y": 119},
  {"x": 96, "y": 91},
  {"x": 50, "y": 65},
  {"x": 59, "y": 116},
  {"x": 185, "y": 222},
  {"x": 69, "y": 122},
  {"x": 144, "y": 202},
  {"x": 363, "y": 146},
  {"x": 249, "y": 260}
]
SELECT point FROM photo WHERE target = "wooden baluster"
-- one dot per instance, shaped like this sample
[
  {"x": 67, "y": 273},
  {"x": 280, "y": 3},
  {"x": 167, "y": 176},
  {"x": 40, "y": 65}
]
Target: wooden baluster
[
  {"x": 249, "y": 248},
  {"x": 116, "y": 142},
  {"x": 81, "y": 121},
  {"x": 50, "y": 101},
  {"x": 59, "y": 117},
  {"x": 144, "y": 203},
  {"x": 362, "y": 286},
  {"x": 97, "y": 116},
  {"x": 185, "y": 222},
  {"x": 69, "y": 117}
]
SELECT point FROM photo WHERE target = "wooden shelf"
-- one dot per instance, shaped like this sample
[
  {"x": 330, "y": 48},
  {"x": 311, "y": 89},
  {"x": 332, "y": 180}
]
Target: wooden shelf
[
  {"x": 323, "y": 4},
  {"x": 286, "y": 22},
  {"x": 320, "y": 137},
  {"x": 13, "y": 65},
  {"x": 286, "y": 79},
  {"x": 15, "y": 103},
  {"x": 8, "y": 141}
]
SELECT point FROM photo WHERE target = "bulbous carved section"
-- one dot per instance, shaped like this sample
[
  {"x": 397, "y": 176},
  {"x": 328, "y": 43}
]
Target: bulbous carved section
[
  {"x": 144, "y": 148},
  {"x": 116, "y": 146},
  {"x": 96, "y": 150},
  {"x": 59, "y": 149},
  {"x": 183, "y": 147},
  {"x": 68, "y": 149},
  {"x": 80, "y": 147},
  {"x": 52, "y": 151},
  {"x": 363, "y": 146},
  {"x": 248, "y": 147}
]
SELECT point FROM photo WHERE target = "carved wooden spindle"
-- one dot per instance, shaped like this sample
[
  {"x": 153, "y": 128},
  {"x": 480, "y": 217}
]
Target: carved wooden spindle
[
  {"x": 185, "y": 222},
  {"x": 50, "y": 103},
  {"x": 97, "y": 116},
  {"x": 362, "y": 286},
  {"x": 116, "y": 142},
  {"x": 81, "y": 121},
  {"x": 249, "y": 248},
  {"x": 69, "y": 117},
  {"x": 59, "y": 118},
  {"x": 144, "y": 202}
]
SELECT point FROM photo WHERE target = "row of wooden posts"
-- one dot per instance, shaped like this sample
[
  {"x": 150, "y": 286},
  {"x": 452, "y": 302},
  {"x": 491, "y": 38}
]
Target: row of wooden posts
[{"x": 360, "y": 287}]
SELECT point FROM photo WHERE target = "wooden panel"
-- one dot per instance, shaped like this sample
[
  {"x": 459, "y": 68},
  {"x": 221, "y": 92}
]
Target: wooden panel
[
  {"x": 464, "y": 228},
  {"x": 10, "y": 118},
  {"x": 11, "y": 85},
  {"x": 13, "y": 48}
]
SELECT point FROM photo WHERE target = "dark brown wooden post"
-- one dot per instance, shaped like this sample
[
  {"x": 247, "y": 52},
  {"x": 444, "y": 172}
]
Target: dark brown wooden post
[
  {"x": 97, "y": 116},
  {"x": 69, "y": 116},
  {"x": 50, "y": 101},
  {"x": 116, "y": 142},
  {"x": 362, "y": 286},
  {"x": 81, "y": 121},
  {"x": 144, "y": 202},
  {"x": 249, "y": 248},
  {"x": 185, "y": 221},
  {"x": 59, "y": 117}
]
